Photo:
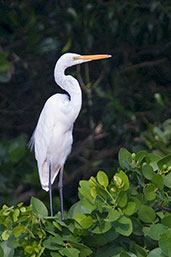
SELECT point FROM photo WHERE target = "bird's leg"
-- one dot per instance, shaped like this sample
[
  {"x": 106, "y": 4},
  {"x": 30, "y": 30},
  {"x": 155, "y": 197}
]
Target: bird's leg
[
  {"x": 60, "y": 186},
  {"x": 50, "y": 192}
]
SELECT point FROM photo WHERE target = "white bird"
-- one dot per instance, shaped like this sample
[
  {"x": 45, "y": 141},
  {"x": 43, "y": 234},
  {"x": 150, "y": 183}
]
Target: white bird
[{"x": 52, "y": 138}]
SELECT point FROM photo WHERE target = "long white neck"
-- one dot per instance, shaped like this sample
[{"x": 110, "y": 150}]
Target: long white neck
[{"x": 71, "y": 86}]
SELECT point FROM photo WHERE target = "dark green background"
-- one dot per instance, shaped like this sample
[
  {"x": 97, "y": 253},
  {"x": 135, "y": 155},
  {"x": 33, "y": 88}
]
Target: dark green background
[{"x": 124, "y": 98}]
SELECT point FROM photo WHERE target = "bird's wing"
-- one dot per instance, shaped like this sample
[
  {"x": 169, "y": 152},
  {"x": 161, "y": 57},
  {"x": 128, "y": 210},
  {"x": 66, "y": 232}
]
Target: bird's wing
[{"x": 41, "y": 138}]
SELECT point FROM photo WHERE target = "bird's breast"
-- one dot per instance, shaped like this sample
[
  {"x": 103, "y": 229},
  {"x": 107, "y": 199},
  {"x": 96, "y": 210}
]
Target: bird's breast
[{"x": 60, "y": 145}]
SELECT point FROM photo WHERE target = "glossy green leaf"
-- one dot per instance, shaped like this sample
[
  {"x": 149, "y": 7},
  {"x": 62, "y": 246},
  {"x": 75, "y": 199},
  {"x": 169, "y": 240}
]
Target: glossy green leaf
[
  {"x": 84, "y": 250},
  {"x": 123, "y": 182},
  {"x": 149, "y": 192},
  {"x": 147, "y": 172},
  {"x": 5, "y": 235},
  {"x": 70, "y": 252},
  {"x": 166, "y": 160},
  {"x": 124, "y": 158},
  {"x": 53, "y": 243},
  {"x": 146, "y": 214},
  {"x": 124, "y": 226},
  {"x": 76, "y": 208},
  {"x": 129, "y": 208},
  {"x": 84, "y": 189},
  {"x": 167, "y": 221},
  {"x": 7, "y": 248},
  {"x": 38, "y": 207},
  {"x": 83, "y": 220},
  {"x": 102, "y": 178},
  {"x": 157, "y": 179},
  {"x": 165, "y": 243},
  {"x": 167, "y": 180},
  {"x": 153, "y": 159},
  {"x": 18, "y": 230},
  {"x": 113, "y": 215},
  {"x": 101, "y": 228},
  {"x": 16, "y": 214},
  {"x": 157, "y": 252},
  {"x": 140, "y": 156},
  {"x": 156, "y": 230},
  {"x": 122, "y": 199},
  {"x": 140, "y": 251}
]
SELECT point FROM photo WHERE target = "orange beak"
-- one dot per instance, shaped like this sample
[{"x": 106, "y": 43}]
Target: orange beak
[{"x": 92, "y": 57}]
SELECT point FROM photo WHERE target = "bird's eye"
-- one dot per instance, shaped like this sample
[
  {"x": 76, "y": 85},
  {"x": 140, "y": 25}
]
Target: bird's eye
[{"x": 76, "y": 58}]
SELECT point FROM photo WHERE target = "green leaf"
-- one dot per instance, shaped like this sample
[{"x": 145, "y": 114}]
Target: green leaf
[
  {"x": 156, "y": 231},
  {"x": 157, "y": 179},
  {"x": 153, "y": 159},
  {"x": 124, "y": 181},
  {"x": 137, "y": 227},
  {"x": 124, "y": 254},
  {"x": 166, "y": 160},
  {"x": 102, "y": 178},
  {"x": 84, "y": 189},
  {"x": 5, "y": 235},
  {"x": 83, "y": 220},
  {"x": 165, "y": 243},
  {"x": 1, "y": 252},
  {"x": 122, "y": 199},
  {"x": 167, "y": 180},
  {"x": 103, "y": 227},
  {"x": 160, "y": 134},
  {"x": 78, "y": 208},
  {"x": 113, "y": 215},
  {"x": 146, "y": 214},
  {"x": 70, "y": 252},
  {"x": 124, "y": 158},
  {"x": 147, "y": 172},
  {"x": 18, "y": 230},
  {"x": 84, "y": 250},
  {"x": 57, "y": 225},
  {"x": 124, "y": 226},
  {"x": 38, "y": 207},
  {"x": 156, "y": 253},
  {"x": 140, "y": 156},
  {"x": 53, "y": 243},
  {"x": 129, "y": 209},
  {"x": 7, "y": 248},
  {"x": 149, "y": 192},
  {"x": 140, "y": 251},
  {"x": 16, "y": 214},
  {"x": 167, "y": 221},
  {"x": 108, "y": 250}
]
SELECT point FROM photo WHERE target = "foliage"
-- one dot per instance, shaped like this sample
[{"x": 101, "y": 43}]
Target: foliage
[
  {"x": 15, "y": 157},
  {"x": 125, "y": 217},
  {"x": 158, "y": 138},
  {"x": 124, "y": 99}
]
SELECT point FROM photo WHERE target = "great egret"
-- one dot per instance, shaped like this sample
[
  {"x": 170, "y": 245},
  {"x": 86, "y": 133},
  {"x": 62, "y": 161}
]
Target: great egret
[{"x": 52, "y": 139}]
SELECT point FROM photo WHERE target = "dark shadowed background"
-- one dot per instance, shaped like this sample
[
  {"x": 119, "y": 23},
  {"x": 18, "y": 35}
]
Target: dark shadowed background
[{"x": 125, "y": 98}]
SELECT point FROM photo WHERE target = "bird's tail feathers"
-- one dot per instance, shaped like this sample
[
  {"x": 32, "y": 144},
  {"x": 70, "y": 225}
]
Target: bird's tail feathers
[{"x": 44, "y": 175}]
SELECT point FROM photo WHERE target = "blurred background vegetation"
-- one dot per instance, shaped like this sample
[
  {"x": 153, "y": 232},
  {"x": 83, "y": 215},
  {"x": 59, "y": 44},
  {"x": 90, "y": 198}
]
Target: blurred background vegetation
[{"x": 125, "y": 99}]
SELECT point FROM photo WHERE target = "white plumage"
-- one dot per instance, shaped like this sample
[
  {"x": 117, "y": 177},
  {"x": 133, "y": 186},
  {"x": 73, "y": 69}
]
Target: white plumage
[{"x": 52, "y": 139}]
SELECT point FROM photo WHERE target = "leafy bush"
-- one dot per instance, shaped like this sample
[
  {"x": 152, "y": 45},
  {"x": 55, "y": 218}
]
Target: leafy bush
[{"x": 127, "y": 216}]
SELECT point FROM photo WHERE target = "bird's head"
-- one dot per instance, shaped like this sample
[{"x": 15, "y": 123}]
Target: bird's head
[{"x": 71, "y": 59}]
